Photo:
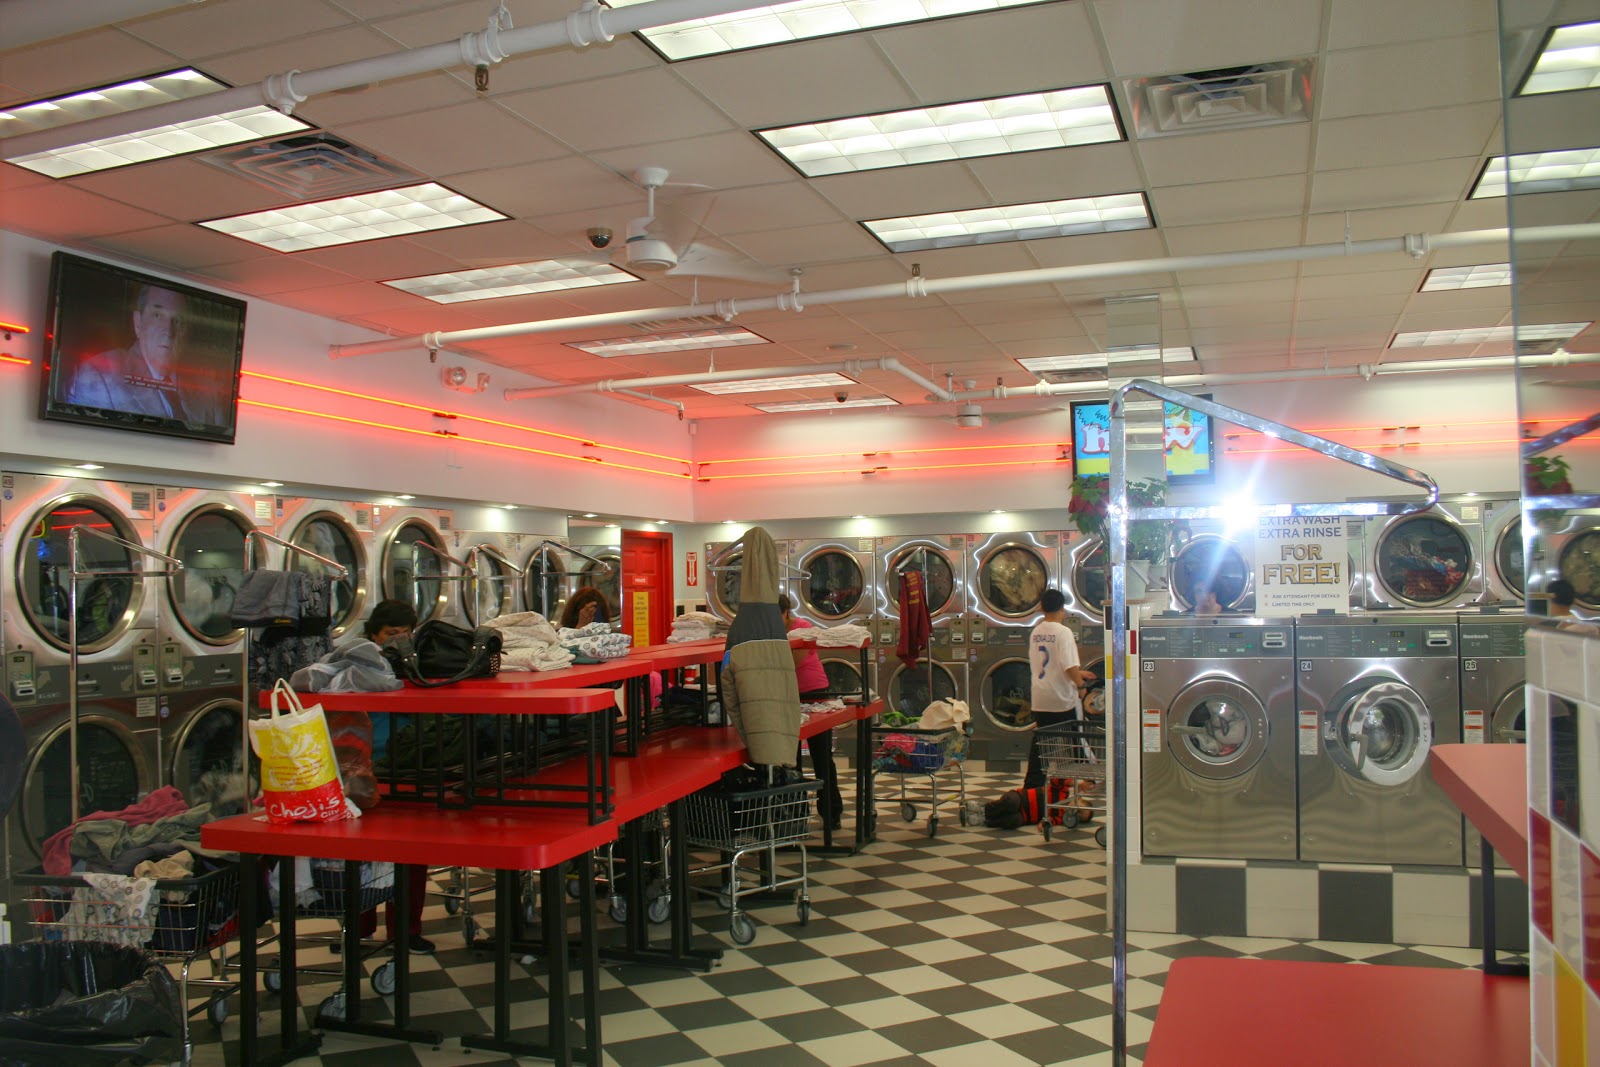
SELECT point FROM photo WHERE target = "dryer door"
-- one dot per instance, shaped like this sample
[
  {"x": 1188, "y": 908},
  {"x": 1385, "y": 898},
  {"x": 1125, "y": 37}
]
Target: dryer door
[
  {"x": 908, "y": 688},
  {"x": 1216, "y": 728},
  {"x": 1423, "y": 561},
  {"x": 207, "y": 757},
  {"x": 1011, "y": 579},
  {"x": 835, "y": 582},
  {"x": 112, "y": 775},
  {"x": 413, "y": 569},
  {"x": 939, "y": 585},
  {"x": 1579, "y": 564},
  {"x": 211, "y": 543},
  {"x": 1209, "y": 560},
  {"x": 1508, "y": 561},
  {"x": 1379, "y": 733},
  {"x": 107, "y": 605},
  {"x": 1091, "y": 582},
  {"x": 1005, "y": 694},
  {"x": 1508, "y": 724}
]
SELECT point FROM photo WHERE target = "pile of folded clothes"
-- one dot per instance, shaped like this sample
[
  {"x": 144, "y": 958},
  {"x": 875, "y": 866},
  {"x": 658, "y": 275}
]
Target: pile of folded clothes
[
  {"x": 529, "y": 643},
  {"x": 595, "y": 641},
  {"x": 696, "y": 626}
]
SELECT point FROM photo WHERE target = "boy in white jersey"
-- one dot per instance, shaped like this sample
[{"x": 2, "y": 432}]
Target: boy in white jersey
[{"x": 1057, "y": 678}]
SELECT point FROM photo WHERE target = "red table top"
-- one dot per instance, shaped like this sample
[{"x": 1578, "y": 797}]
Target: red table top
[
  {"x": 641, "y": 785},
  {"x": 1489, "y": 783},
  {"x": 464, "y": 699},
  {"x": 1269, "y": 1013},
  {"x": 499, "y": 838}
]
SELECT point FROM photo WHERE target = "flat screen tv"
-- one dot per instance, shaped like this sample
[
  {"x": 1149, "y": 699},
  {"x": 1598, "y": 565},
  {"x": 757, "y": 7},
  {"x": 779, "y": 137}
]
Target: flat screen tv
[
  {"x": 1189, "y": 443},
  {"x": 128, "y": 351}
]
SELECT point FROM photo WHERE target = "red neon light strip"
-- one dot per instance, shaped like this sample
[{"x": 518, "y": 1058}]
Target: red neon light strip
[
  {"x": 458, "y": 415},
  {"x": 874, "y": 470},
  {"x": 457, "y": 437},
  {"x": 11, "y": 327},
  {"x": 868, "y": 454},
  {"x": 6, "y": 357}
]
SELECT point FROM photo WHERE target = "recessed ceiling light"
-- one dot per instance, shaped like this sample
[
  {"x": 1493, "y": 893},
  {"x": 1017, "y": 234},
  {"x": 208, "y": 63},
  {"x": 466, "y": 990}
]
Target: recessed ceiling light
[
  {"x": 858, "y": 516},
  {"x": 89, "y": 466},
  {"x": 662, "y": 522},
  {"x": 272, "y": 485},
  {"x": 156, "y": 142},
  {"x": 775, "y": 24},
  {"x": 829, "y": 405},
  {"x": 404, "y": 496},
  {"x": 1028, "y": 122},
  {"x": 997, "y": 511},
  {"x": 1478, "y": 276},
  {"x": 613, "y": 526},
  {"x": 761, "y": 385},
  {"x": 1570, "y": 60},
  {"x": 1540, "y": 172},
  {"x": 1090, "y": 360},
  {"x": 1013, "y": 222},
  {"x": 349, "y": 219},
  {"x": 730, "y": 522},
  {"x": 590, "y": 515},
  {"x": 509, "y": 507},
  {"x": 681, "y": 341},
  {"x": 513, "y": 279},
  {"x": 1550, "y": 331}
]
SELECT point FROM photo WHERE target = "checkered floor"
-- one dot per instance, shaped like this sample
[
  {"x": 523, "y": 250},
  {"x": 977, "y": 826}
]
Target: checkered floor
[{"x": 972, "y": 947}]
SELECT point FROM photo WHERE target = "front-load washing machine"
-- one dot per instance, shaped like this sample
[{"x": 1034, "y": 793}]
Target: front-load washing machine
[
  {"x": 1375, "y": 693},
  {"x": 335, "y": 530},
  {"x": 1505, "y": 577},
  {"x": 838, "y": 580},
  {"x": 1218, "y": 738},
  {"x": 1085, "y": 580},
  {"x": 1428, "y": 560},
  {"x": 1493, "y": 675},
  {"x": 413, "y": 561},
  {"x": 489, "y": 588},
  {"x": 1009, "y": 573},
  {"x": 1000, "y": 685},
  {"x": 1210, "y": 559}
]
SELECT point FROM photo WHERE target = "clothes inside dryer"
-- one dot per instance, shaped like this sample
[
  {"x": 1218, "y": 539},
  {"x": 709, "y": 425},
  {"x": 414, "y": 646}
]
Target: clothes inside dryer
[
  {"x": 1209, "y": 560},
  {"x": 1508, "y": 558},
  {"x": 206, "y": 761},
  {"x": 1380, "y": 733},
  {"x": 1012, "y": 579},
  {"x": 939, "y": 582},
  {"x": 844, "y": 677},
  {"x": 111, "y": 776},
  {"x": 1091, "y": 582},
  {"x": 835, "y": 584},
  {"x": 1423, "y": 560},
  {"x": 1006, "y": 694},
  {"x": 413, "y": 569},
  {"x": 330, "y": 537},
  {"x": 1579, "y": 563},
  {"x": 211, "y": 545},
  {"x": 909, "y": 692},
  {"x": 106, "y": 605}
]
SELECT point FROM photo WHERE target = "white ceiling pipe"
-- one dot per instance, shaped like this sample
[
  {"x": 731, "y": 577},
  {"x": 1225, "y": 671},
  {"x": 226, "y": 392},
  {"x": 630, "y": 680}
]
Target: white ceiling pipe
[
  {"x": 589, "y": 24},
  {"x": 637, "y": 395},
  {"x": 1416, "y": 243},
  {"x": 29, "y": 21},
  {"x": 629, "y": 385}
]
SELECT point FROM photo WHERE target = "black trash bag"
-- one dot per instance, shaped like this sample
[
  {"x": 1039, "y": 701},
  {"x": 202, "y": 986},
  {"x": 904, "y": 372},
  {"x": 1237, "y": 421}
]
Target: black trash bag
[{"x": 86, "y": 1003}]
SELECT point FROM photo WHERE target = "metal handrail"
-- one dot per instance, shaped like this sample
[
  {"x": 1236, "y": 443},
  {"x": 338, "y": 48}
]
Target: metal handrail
[
  {"x": 173, "y": 573},
  {"x": 463, "y": 564},
  {"x": 727, "y": 550},
  {"x": 610, "y": 567},
  {"x": 261, "y": 535},
  {"x": 1120, "y": 514}
]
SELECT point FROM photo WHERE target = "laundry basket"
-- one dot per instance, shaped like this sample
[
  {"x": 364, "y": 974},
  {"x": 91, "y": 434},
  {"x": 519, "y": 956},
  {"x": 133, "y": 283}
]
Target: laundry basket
[{"x": 87, "y": 1003}]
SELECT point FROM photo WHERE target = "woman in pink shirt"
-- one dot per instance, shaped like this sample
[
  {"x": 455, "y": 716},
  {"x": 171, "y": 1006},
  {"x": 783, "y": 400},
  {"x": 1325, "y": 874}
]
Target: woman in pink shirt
[{"x": 812, "y": 679}]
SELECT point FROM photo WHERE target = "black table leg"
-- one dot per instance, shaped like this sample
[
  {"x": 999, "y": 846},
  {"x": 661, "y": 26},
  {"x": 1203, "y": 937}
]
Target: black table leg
[
  {"x": 636, "y": 948},
  {"x": 1491, "y": 961},
  {"x": 291, "y": 1048}
]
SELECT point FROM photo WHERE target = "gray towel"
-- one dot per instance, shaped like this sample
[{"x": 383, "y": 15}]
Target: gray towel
[{"x": 266, "y": 598}]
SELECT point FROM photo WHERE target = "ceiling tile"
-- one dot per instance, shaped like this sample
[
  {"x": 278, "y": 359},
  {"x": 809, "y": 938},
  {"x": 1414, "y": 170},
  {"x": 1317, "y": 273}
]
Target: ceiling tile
[
  {"x": 808, "y": 244},
  {"x": 82, "y": 61},
  {"x": 1226, "y": 156},
  {"x": 758, "y": 88},
  {"x": 58, "y": 208},
  {"x": 1406, "y": 183},
  {"x": 1490, "y": 299},
  {"x": 736, "y": 211},
  {"x": 492, "y": 243},
  {"x": 1201, "y": 318},
  {"x": 1194, "y": 37},
  {"x": 1407, "y": 136},
  {"x": 1098, "y": 248},
  {"x": 199, "y": 29},
  {"x": 644, "y": 107},
  {"x": 876, "y": 194},
  {"x": 270, "y": 274},
  {"x": 1055, "y": 174},
  {"x": 184, "y": 188},
  {"x": 476, "y": 135},
  {"x": 357, "y": 298},
  {"x": 720, "y": 160},
  {"x": 551, "y": 187},
  {"x": 380, "y": 260},
  {"x": 1423, "y": 74},
  {"x": 1187, "y": 205},
  {"x": 1235, "y": 294},
  {"x": 1363, "y": 283},
  {"x": 1232, "y": 236},
  {"x": 1374, "y": 224},
  {"x": 983, "y": 55},
  {"x": 1348, "y": 308},
  {"x": 327, "y": 48},
  {"x": 1354, "y": 23},
  {"x": 400, "y": 96},
  {"x": 177, "y": 245}
]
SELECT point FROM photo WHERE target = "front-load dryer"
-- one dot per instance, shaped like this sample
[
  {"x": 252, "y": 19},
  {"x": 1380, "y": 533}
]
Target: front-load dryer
[
  {"x": 1211, "y": 559},
  {"x": 1218, "y": 738},
  {"x": 1085, "y": 579},
  {"x": 337, "y": 530},
  {"x": 1375, "y": 693},
  {"x": 1429, "y": 560},
  {"x": 1009, "y": 573},
  {"x": 1568, "y": 546},
  {"x": 724, "y": 573},
  {"x": 489, "y": 587},
  {"x": 413, "y": 561},
  {"x": 837, "y": 582},
  {"x": 941, "y": 673},
  {"x": 1505, "y": 575},
  {"x": 600, "y": 568}
]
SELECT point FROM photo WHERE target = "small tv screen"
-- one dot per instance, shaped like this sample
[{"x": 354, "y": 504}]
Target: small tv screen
[
  {"x": 1189, "y": 443},
  {"x": 129, "y": 351}
]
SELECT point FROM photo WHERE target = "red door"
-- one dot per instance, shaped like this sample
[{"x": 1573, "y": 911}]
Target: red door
[{"x": 647, "y": 586}]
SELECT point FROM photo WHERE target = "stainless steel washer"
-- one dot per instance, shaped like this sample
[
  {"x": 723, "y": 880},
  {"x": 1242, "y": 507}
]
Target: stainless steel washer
[
  {"x": 1218, "y": 738},
  {"x": 1493, "y": 674},
  {"x": 1375, "y": 693}
]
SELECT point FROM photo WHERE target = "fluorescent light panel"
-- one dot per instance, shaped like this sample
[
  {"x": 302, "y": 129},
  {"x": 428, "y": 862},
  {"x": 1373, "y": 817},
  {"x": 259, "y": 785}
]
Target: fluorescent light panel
[
  {"x": 1541, "y": 172},
  {"x": 999, "y": 126},
  {"x": 1040, "y": 364},
  {"x": 140, "y": 146},
  {"x": 1550, "y": 331},
  {"x": 1013, "y": 222},
  {"x": 763, "y": 385},
  {"x": 513, "y": 279},
  {"x": 349, "y": 219},
  {"x": 1477, "y": 276},
  {"x": 798, "y": 21},
  {"x": 1570, "y": 60},
  {"x": 684, "y": 341},
  {"x": 828, "y": 405}
]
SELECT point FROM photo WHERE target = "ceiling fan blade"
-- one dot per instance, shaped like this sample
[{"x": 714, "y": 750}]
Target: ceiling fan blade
[
  {"x": 682, "y": 220},
  {"x": 709, "y": 261}
]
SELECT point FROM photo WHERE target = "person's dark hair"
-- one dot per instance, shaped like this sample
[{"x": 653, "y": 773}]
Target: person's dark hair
[
  {"x": 784, "y": 603},
  {"x": 587, "y": 595},
  {"x": 1052, "y": 601},
  {"x": 1561, "y": 592},
  {"x": 390, "y": 613}
]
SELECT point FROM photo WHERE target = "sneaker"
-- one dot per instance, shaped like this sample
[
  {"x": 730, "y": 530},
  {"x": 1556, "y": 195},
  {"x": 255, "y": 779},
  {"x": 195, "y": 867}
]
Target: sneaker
[{"x": 421, "y": 946}]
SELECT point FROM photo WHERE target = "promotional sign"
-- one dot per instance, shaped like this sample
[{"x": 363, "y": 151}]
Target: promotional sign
[
  {"x": 1302, "y": 565},
  {"x": 1187, "y": 440},
  {"x": 641, "y": 617}
]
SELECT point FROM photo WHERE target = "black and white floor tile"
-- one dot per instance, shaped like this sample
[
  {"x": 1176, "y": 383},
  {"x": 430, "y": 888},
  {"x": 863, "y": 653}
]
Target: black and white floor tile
[{"x": 974, "y": 946}]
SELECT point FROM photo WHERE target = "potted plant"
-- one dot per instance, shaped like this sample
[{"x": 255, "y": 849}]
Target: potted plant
[
  {"x": 1546, "y": 476},
  {"x": 1147, "y": 539}
]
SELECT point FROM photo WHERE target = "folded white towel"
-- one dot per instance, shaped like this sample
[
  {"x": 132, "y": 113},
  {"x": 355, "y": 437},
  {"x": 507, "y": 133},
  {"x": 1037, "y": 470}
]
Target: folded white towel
[{"x": 846, "y": 636}]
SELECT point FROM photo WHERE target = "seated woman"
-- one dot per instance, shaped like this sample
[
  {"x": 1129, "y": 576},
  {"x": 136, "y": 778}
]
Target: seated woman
[{"x": 585, "y": 606}]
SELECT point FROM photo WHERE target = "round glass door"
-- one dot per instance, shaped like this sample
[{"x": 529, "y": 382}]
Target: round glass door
[
  {"x": 206, "y": 763},
  {"x": 411, "y": 571},
  {"x": 939, "y": 581},
  {"x": 211, "y": 543},
  {"x": 844, "y": 677},
  {"x": 1508, "y": 561},
  {"x": 724, "y": 584},
  {"x": 1509, "y": 723},
  {"x": 544, "y": 578},
  {"x": 1579, "y": 564},
  {"x": 488, "y": 589},
  {"x": 1423, "y": 560},
  {"x": 1209, "y": 560},
  {"x": 609, "y": 583},
  {"x": 1094, "y": 701},
  {"x": 1091, "y": 583},
  {"x": 908, "y": 688},
  {"x": 332, "y": 538},
  {"x": 111, "y": 776},
  {"x": 835, "y": 585},
  {"x": 1006, "y": 695},
  {"x": 106, "y": 606},
  {"x": 1216, "y": 728},
  {"x": 1011, "y": 579},
  {"x": 1381, "y": 734}
]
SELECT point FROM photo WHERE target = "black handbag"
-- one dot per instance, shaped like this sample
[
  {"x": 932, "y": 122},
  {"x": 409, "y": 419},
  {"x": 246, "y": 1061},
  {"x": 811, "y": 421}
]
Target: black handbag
[{"x": 439, "y": 653}]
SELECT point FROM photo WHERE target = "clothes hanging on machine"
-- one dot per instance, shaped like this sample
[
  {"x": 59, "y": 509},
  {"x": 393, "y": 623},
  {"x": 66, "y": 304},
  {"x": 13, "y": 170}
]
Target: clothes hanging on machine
[
  {"x": 759, "y": 690},
  {"x": 916, "y": 627},
  {"x": 298, "y": 636}
]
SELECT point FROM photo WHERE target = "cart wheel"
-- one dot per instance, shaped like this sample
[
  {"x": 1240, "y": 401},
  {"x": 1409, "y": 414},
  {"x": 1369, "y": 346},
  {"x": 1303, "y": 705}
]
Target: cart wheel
[
  {"x": 742, "y": 929},
  {"x": 470, "y": 930},
  {"x": 933, "y": 826},
  {"x": 574, "y": 890},
  {"x": 383, "y": 981},
  {"x": 803, "y": 910},
  {"x": 660, "y": 909},
  {"x": 965, "y": 816},
  {"x": 217, "y": 1012},
  {"x": 619, "y": 910},
  {"x": 452, "y": 905},
  {"x": 530, "y": 911},
  {"x": 1070, "y": 819},
  {"x": 1100, "y": 836},
  {"x": 333, "y": 1007},
  {"x": 272, "y": 980},
  {"x": 908, "y": 811},
  {"x": 1044, "y": 828}
]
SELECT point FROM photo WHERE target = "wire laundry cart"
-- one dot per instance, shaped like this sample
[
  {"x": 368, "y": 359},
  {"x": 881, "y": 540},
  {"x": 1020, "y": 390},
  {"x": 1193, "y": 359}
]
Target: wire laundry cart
[
  {"x": 187, "y": 919},
  {"x": 1074, "y": 752},
  {"x": 754, "y": 822},
  {"x": 909, "y": 752}
]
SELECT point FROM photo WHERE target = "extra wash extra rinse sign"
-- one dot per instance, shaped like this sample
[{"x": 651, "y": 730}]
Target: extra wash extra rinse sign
[{"x": 1302, "y": 564}]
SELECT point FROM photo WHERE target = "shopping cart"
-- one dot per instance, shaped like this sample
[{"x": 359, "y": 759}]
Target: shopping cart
[
  {"x": 186, "y": 919},
  {"x": 323, "y": 897},
  {"x": 903, "y": 753},
  {"x": 740, "y": 823},
  {"x": 1074, "y": 752}
]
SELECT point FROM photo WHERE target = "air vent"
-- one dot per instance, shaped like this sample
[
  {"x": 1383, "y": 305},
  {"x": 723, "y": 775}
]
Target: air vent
[
  {"x": 1077, "y": 374},
  {"x": 691, "y": 322},
  {"x": 1266, "y": 94},
  {"x": 314, "y": 167}
]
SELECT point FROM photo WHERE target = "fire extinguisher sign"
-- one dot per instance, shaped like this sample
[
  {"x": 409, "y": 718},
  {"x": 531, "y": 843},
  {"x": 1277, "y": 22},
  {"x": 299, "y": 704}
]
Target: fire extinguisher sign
[{"x": 691, "y": 568}]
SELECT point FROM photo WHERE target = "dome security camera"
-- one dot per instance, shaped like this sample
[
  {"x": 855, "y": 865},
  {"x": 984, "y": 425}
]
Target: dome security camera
[
  {"x": 599, "y": 236},
  {"x": 840, "y": 396}
]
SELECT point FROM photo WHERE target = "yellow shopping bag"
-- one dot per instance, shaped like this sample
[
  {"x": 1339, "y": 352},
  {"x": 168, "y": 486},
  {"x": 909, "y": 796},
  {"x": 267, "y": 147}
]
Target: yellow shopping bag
[{"x": 299, "y": 774}]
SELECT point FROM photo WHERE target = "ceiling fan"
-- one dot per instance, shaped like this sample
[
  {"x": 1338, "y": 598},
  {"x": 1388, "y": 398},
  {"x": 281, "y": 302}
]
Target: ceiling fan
[{"x": 672, "y": 241}]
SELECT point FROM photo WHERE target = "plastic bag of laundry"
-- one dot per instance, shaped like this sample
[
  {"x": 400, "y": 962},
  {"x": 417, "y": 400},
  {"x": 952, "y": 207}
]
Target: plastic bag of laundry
[{"x": 86, "y": 1003}]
